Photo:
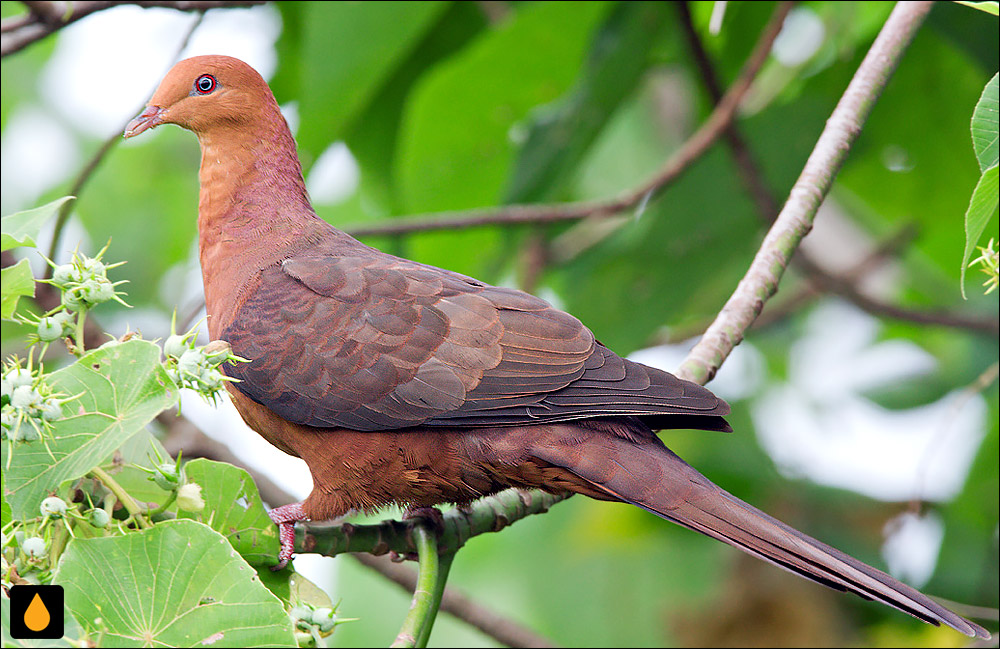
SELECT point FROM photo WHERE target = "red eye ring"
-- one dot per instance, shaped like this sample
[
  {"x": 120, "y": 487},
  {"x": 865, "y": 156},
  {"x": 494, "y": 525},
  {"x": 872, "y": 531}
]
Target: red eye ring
[{"x": 205, "y": 84}]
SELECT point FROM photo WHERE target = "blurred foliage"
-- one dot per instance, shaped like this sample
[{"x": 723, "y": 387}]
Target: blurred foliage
[{"x": 451, "y": 105}]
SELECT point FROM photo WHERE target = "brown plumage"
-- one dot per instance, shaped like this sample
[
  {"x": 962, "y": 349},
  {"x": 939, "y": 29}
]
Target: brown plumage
[{"x": 403, "y": 383}]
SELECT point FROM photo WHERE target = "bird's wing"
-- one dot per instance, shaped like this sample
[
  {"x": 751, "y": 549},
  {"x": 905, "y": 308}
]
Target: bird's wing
[{"x": 374, "y": 342}]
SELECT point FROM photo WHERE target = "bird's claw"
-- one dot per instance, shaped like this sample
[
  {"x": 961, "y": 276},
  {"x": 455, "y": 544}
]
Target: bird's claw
[{"x": 285, "y": 518}]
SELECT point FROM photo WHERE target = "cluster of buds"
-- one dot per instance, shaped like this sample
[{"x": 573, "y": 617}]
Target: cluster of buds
[
  {"x": 28, "y": 405},
  {"x": 989, "y": 261},
  {"x": 312, "y": 623},
  {"x": 84, "y": 282},
  {"x": 196, "y": 367}
]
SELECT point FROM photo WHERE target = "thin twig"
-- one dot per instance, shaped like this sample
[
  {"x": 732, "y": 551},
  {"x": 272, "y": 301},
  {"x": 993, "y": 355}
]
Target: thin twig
[
  {"x": 796, "y": 217},
  {"x": 46, "y": 18},
  {"x": 688, "y": 153}
]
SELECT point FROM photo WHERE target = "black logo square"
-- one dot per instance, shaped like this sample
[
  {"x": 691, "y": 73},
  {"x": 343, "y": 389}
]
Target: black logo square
[{"x": 36, "y": 612}]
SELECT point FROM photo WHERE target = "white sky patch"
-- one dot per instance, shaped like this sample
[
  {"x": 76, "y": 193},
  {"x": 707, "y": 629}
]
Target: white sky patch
[
  {"x": 817, "y": 425},
  {"x": 38, "y": 153},
  {"x": 801, "y": 36},
  {"x": 738, "y": 378},
  {"x": 224, "y": 424},
  {"x": 912, "y": 546},
  {"x": 98, "y": 89},
  {"x": 335, "y": 175}
]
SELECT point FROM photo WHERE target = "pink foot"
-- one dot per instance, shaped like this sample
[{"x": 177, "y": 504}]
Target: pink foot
[{"x": 285, "y": 518}]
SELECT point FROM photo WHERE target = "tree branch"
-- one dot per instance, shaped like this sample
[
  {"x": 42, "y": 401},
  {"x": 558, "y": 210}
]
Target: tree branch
[
  {"x": 796, "y": 217},
  {"x": 46, "y": 18}
]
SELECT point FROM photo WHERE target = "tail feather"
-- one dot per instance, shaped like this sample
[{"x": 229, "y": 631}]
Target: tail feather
[{"x": 677, "y": 492}]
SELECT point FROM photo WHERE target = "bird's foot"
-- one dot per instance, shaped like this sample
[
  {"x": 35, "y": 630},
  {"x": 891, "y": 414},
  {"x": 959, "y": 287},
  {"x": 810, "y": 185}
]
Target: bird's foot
[
  {"x": 285, "y": 518},
  {"x": 430, "y": 514}
]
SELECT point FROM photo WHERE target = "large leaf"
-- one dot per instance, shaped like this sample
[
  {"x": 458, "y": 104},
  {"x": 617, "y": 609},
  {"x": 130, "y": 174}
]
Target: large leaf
[
  {"x": 15, "y": 282},
  {"x": 21, "y": 228},
  {"x": 984, "y": 125},
  {"x": 179, "y": 584},
  {"x": 122, "y": 386},
  {"x": 234, "y": 509},
  {"x": 982, "y": 207},
  {"x": 336, "y": 56}
]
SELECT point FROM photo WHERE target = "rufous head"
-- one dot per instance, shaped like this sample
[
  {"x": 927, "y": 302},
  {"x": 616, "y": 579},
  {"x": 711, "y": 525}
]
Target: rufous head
[{"x": 205, "y": 93}]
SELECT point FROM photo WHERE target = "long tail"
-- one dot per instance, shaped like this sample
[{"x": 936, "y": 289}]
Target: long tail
[{"x": 651, "y": 476}]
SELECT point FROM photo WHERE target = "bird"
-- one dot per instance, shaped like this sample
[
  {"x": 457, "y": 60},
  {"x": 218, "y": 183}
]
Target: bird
[{"x": 402, "y": 383}]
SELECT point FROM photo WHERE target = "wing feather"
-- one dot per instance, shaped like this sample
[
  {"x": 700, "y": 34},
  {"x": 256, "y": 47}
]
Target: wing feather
[{"x": 375, "y": 342}]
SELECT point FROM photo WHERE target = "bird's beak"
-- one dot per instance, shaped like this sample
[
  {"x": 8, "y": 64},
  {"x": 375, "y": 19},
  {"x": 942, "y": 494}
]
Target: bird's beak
[{"x": 149, "y": 118}]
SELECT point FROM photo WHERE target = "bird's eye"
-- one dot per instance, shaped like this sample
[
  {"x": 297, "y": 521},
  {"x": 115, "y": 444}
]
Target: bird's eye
[{"x": 205, "y": 84}]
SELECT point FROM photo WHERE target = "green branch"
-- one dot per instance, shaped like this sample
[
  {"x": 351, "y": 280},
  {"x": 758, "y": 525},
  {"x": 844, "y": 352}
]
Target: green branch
[{"x": 490, "y": 514}]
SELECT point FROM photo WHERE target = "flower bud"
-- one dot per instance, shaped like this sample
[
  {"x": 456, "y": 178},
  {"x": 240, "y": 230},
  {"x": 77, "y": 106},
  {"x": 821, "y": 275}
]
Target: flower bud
[
  {"x": 325, "y": 619},
  {"x": 53, "y": 506},
  {"x": 175, "y": 346},
  {"x": 66, "y": 274},
  {"x": 167, "y": 476},
  {"x": 191, "y": 362},
  {"x": 34, "y": 547},
  {"x": 189, "y": 498},
  {"x": 49, "y": 329},
  {"x": 99, "y": 518}
]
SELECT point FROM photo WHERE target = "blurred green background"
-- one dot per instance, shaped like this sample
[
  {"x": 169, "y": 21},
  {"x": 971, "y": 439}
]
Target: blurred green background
[{"x": 435, "y": 106}]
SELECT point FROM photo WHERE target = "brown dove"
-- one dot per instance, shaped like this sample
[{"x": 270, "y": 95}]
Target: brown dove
[{"x": 398, "y": 382}]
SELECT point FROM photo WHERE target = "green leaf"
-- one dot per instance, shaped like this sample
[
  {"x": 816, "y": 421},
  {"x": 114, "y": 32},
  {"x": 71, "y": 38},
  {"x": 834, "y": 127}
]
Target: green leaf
[
  {"x": 179, "y": 584},
  {"x": 122, "y": 387},
  {"x": 293, "y": 589},
  {"x": 234, "y": 509},
  {"x": 991, "y": 7},
  {"x": 984, "y": 126},
  {"x": 982, "y": 207},
  {"x": 455, "y": 145},
  {"x": 346, "y": 50},
  {"x": 5, "y": 514},
  {"x": 21, "y": 228},
  {"x": 15, "y": 281},
  {"x": 373, "y": 133}
]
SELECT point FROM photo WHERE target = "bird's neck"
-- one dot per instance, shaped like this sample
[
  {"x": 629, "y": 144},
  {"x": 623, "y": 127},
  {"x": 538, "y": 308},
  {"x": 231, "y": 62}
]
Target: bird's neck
[{"x": 253, "y": 209}]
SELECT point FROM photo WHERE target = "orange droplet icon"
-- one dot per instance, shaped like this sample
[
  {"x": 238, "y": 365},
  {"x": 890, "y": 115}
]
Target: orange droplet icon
[{"x": 37, "y": 616}]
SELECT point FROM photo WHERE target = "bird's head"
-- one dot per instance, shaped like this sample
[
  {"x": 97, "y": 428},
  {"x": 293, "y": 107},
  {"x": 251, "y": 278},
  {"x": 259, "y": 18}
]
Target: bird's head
[{"x": 205, "y": 93}]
